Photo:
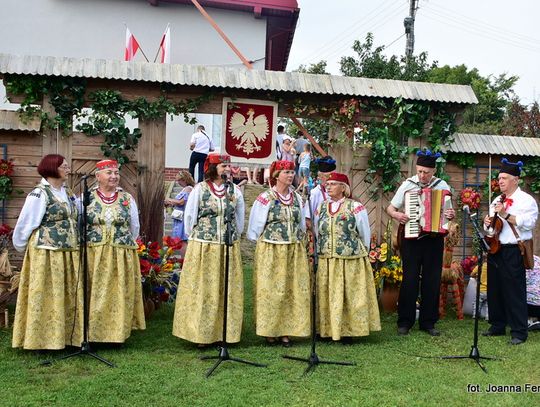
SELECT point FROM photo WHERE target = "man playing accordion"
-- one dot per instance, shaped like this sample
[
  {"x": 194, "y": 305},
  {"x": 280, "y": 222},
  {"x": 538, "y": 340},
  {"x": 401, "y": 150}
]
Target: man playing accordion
[{"x": 422, "y": 255}]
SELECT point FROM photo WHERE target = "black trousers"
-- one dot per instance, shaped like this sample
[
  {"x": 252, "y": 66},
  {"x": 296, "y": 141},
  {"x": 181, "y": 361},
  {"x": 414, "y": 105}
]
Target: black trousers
[
  {"x": 507, "y": 292},
  {"x": 197, "y": 158},
  {"x": 422, "y": 268}
]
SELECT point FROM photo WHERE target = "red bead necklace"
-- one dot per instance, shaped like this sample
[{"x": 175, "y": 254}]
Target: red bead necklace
[
  {"x": 107, "y": 199},
  {"x": 220, "y": 193}
]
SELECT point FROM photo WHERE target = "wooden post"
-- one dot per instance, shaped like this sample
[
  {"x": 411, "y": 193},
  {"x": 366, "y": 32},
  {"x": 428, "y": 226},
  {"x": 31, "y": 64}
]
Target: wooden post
[
  {"x": 54, "y": 142},
  {"x": 151, "y": 166}
]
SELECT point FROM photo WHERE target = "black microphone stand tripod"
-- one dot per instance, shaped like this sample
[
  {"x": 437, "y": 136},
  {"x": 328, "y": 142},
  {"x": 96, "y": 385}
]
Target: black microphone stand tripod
[
  {"x": 483, "y": 248},
  {"x": 83, "y": 226},
  {"x": 223, "y": 349},
  {"x": 313, "y": 360}
]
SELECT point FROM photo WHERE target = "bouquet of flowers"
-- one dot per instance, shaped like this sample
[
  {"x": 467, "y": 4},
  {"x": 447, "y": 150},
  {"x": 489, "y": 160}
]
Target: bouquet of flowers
[
  {"x": 160, "y": 270},
  {"x": 391, "y": 272},
  {"x": 470, "y": 197},
  {"x": 6, "y": 183},
  {"x": 468, "y": 264},
  {"x": 386, "y": 267}
]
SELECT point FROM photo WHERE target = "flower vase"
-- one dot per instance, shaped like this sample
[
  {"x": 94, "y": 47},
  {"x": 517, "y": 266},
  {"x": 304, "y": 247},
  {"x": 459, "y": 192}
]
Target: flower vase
[
  {"x": 389, "y": 297},
  {"x": 149, "y": 307}
]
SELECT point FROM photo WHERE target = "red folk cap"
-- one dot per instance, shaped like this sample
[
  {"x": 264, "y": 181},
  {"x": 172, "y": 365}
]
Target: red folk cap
[
  {"x": 216, "y": 159},
  {"x": 105, "y": 164},
  {"x": 277, "y": 166},
  {"x": 339, "y": 177}
]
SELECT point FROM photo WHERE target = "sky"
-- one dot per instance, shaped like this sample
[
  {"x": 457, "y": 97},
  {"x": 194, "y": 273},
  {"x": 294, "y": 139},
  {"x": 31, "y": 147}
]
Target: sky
[{"x": 494, "y": 36}]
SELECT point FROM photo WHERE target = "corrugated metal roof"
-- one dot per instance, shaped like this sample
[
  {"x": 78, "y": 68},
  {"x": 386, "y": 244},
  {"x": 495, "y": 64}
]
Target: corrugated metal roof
[
  {"x": 493, "y": 144},
  {"x": 222, "y": 77},
  {"x": 10, "y": 120}
]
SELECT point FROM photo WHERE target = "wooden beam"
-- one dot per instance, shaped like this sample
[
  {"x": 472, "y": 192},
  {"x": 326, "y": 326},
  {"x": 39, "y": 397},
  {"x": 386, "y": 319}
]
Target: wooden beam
[
  {"x": 309, "y": 137},
  {"x": 151, "y": 166},
  {"x": 222, "y": 34}
]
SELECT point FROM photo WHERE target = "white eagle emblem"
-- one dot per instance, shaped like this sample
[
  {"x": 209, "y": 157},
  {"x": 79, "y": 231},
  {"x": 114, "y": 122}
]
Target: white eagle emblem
[{"x": 249, "y": 131}]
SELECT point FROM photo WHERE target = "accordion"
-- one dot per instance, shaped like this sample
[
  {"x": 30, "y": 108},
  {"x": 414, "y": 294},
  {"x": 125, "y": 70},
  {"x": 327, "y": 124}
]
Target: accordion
[{"x": 425, "y": 209}]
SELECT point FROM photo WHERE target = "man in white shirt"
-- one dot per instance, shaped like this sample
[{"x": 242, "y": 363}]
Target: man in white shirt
[
  {"x": 507, "y": 289},
  {"x": 200, "y": 145},
  {"x": 279, "y": 140}
]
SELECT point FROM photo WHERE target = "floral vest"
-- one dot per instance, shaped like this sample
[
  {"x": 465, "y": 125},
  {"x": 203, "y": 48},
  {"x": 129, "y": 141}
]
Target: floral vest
[
  {"x": 58, "y": 229},
  {"x": 210, "y": 225},
  {"x": 338, "y": 235},
  {"x": 283, "y": 221},
  {"x": 110, "y": 223}
]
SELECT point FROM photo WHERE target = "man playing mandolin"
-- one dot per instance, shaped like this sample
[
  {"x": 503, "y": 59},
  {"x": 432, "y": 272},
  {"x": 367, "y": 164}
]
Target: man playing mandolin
[{"x": 507, "y": 296}]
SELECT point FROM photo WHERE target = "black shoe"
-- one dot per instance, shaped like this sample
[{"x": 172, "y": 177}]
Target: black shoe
[
  {"x": 516, "y": 341},
  {"x": 402, "y": 330},
  {"x": 432, "y": 331},
  {"x": 346, "y": 340},
  {"x": 489, "y": 332}
]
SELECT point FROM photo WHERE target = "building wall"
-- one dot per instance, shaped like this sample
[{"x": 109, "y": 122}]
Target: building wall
[{"x": 95, "y": 29}]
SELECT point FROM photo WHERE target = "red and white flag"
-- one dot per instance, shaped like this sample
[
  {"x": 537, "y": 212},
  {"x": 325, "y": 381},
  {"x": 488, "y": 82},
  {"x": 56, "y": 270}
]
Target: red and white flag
[
  {"x": 132, "y": 46},
  {"x": 165, "y": 46}
]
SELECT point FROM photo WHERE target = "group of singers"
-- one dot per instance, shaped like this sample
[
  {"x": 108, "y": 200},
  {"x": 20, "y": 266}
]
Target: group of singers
[{"x": 50, "y": 306}]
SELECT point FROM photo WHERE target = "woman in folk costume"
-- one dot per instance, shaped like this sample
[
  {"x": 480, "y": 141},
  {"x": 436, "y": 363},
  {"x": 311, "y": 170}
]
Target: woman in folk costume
[
  {"x": 281, "y": 279},
  {"x": 198, "y": 316},
  {"x": 49, "y": 303},
  {"x": 115, "y": 291},
  {"x": 347, "y": 303}
]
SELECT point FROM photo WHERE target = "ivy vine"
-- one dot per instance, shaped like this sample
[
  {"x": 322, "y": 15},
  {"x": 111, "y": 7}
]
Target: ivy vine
[{"x": 108, "y": 110}]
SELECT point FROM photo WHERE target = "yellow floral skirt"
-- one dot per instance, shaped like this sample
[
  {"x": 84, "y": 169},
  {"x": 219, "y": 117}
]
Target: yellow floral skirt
[
  {"x": 116, "y": 302},
  {"x": 281, "y": 285},
  {"x": 198, "y": 315},
  {"x": 346, "y": 298},
  {"x": 49, "y": 303}
]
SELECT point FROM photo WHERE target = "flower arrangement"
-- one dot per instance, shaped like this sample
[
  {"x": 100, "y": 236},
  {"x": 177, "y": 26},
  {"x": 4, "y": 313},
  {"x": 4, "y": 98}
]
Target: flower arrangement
[
  {"x": 160, "y": 270},
  {"x": 468, "y": 264},
  {"x": 387, "y": 268},
  {"x": 493, "y": 179},
  {"x": 6, "y": 183},
  {"x": 470, "y": 197},
  {"x": 5, "y": 236},
  {"x": 391, "y": 272}
]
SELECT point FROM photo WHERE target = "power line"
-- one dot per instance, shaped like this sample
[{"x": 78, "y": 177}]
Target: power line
[
  {"x": 465, "y": 27},
  {"x": 352, "y": 33},
  {"x": 392, "y": 43},
  {"x": 365, "y": 31},
  {"x": 477, "y": 22}
]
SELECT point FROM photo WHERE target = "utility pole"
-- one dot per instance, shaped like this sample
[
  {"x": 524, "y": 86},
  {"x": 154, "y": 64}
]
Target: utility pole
[{"x": 408, "y": 22}]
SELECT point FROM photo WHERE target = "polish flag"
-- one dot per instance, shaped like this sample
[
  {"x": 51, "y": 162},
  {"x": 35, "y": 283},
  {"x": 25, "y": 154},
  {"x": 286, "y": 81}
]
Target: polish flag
[
  {"x": 165, "y": 46},
  {"x": 132, "y": 46}
]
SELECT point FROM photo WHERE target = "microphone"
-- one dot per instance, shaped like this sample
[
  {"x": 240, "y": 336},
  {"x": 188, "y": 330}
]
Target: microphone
[
  {"x": 227, "y": 183},
  {"x": 86, "y": 176}
]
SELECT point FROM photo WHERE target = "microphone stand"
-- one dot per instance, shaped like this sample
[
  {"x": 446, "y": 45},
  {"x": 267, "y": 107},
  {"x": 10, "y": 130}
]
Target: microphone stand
[
  {"x": 223, "y": 349},
  {"x": 483, "y": 248},
  {"x": 313, "y": 360},
  {"x": 85, "y": 345}
]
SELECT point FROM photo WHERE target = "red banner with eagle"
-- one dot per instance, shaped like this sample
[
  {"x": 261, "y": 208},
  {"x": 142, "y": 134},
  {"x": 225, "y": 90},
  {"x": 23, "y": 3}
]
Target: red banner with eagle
[{"x": 249, "y": 129}]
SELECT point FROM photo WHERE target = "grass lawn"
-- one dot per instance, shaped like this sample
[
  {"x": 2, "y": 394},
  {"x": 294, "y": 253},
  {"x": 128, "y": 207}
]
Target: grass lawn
[{"x": 156, "y": 369}]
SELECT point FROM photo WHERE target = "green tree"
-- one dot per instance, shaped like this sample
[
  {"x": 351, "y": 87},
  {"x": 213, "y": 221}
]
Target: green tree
[
  {"x": 370, "y": 62},
  {"x": 494, "y": 95}
]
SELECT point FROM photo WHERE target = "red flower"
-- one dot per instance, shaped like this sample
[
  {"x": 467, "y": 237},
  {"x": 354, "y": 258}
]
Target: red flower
[
  {"x": 153, "y": 250},
  {"x": 164, "y": 296},
  {"x": 145, "y": 267},
  {"x": 174, "y": 243},
  {"x": 6, "y": 168},
  {"x": 5, "y": 230}
]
